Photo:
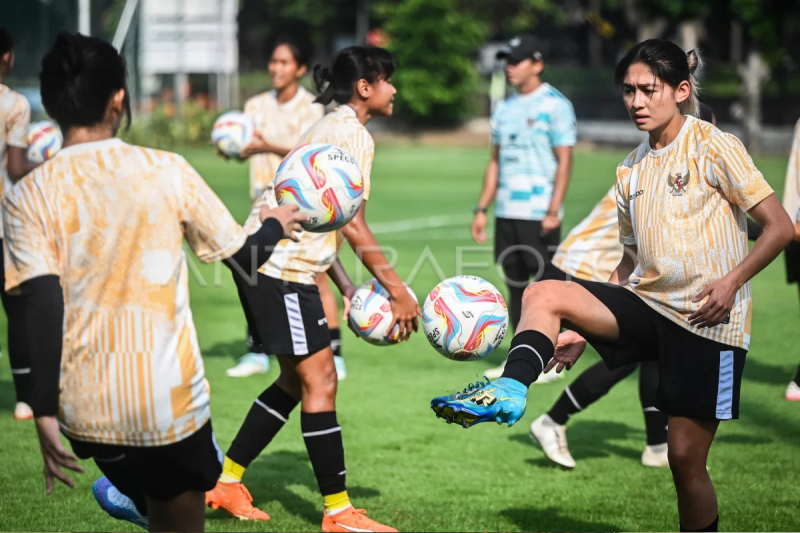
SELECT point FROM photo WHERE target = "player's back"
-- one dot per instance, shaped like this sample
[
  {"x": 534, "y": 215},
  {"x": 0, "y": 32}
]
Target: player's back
[{"x": 113, "y": 216}]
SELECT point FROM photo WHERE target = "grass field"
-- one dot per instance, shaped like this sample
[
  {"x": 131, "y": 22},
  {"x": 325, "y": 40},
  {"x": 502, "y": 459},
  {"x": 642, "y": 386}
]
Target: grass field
[{"x": 419, "y": 474}]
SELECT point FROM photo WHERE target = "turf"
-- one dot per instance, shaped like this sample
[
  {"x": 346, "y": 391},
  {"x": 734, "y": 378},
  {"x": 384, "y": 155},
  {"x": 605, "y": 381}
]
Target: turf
[{"x": 412, "y": 470}]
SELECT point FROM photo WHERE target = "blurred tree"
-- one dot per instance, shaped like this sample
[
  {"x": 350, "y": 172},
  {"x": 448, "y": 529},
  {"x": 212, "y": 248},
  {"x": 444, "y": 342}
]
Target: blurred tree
[
  {"x": 435, "y": 42},
  {"x": 509, "y": 17}
]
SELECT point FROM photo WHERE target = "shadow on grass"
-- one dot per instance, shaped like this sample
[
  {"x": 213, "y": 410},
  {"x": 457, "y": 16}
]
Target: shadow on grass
[
  {"x": 591, "y": 439},
  {"x": 755, "y": 370},
  {"x": 8, "y": 396},
  {"x": 552, "y": 519},
  {"x": 232, "y": 349},
  {"x": 270, "y": 478},
  {"x": 742, "y": 439}
]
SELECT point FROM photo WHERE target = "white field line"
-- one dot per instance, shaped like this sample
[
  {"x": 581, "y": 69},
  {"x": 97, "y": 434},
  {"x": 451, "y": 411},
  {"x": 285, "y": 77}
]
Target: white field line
[{"x": 400, "y": 226}]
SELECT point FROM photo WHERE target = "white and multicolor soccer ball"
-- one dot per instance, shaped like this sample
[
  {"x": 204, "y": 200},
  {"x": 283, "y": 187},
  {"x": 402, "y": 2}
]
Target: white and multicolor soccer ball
[
  {"x": 44, "y": 140},
  {"x": 465, "y": 318},
  {"x": 371, "y": 314},
  {"x": 232, "y": 132},
  {"x": 324, "y": 181}
]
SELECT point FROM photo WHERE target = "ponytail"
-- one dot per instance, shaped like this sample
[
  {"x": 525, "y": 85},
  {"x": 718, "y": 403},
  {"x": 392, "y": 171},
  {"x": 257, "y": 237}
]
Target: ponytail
[
  {"x": 337, "y": 83},
  {"x": 691, "y": 106}
]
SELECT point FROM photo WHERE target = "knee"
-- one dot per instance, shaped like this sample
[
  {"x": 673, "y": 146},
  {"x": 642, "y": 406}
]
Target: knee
[
  {"x": 542, "y": 294},
  {"x": 321, "y": 385},
  {"x": 290, "y": 383},
  {"x": 684, "y": 460}
]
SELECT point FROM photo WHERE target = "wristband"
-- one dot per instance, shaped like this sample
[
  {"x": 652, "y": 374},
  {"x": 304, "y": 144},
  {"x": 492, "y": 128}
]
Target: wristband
[{"x": 479, "y": 209}]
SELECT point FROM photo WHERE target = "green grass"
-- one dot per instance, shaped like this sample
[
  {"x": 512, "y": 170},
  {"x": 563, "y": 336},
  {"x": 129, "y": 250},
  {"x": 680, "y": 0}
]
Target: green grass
[{"x": 412, "y": 470}]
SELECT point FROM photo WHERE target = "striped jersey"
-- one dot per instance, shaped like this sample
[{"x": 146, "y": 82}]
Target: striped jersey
[
  {"x": 301, "y": 261},
  {"x": 592, "y": 250},
  {"x": 791, "y": 192},
  {"x": 527, "y": 127},
  {"x": 684, "y": 207},
  {"x": 280, "y": 125},
  {"x": 109, "y": 219},
  {"x": 15, "y": 117}
]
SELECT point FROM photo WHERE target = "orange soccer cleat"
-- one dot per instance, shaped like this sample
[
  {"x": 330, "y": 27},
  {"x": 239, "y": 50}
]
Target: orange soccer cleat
[
  {"x": 352, "y": 520},
  {"x": 236, "y": 499}
]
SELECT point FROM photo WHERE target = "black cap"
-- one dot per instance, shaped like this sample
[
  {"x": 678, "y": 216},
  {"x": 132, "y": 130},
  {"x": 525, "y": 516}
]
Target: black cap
[{"x": 521, "y": 48}]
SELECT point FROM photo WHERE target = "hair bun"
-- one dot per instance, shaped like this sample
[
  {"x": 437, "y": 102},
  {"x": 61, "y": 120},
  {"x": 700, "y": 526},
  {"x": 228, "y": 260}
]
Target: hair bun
[
  {"x": 70, "y": 60},
  {"x": 694, "y": 61}
]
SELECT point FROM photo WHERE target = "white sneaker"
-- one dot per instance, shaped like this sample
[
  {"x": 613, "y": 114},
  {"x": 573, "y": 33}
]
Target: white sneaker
[
  {"x": 793, "y": 392},
  {"x": 553, "y": 440},
  {"x": 341, "y": 369},
  {"x": 496, "y": 372},
  {"x": 550, "y": 377},
  {"x": 655, "y": 456},
  {"x": 23, "y": 411},
  {"x": 250, "y": 364}
]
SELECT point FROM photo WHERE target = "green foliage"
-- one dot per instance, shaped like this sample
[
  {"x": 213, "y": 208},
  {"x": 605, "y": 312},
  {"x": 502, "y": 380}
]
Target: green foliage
[
  {"x": 162, "y": 129},
  {"x": 435, "y": 44},
  {"x": 509, "y": 17}
]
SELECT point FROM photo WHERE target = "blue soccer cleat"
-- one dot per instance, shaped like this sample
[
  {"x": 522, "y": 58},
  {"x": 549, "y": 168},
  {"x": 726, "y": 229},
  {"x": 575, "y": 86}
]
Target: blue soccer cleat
[
  {"x": 501, "y": 401},
  {"x": 116, "y": 504}
]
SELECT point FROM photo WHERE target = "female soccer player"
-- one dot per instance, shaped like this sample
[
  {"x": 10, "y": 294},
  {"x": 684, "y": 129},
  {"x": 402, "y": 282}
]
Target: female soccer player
[
  {"x": 94, "y": 246},
  {"x": 681, "y": 292},
  {"x": 15, "y": 116},
  {"x": 289, "y": 315},
  {"x": 281, "y": 116}
]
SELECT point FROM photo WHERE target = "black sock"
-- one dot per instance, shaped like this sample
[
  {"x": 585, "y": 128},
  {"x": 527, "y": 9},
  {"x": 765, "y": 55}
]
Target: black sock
[
  {"x": 336, "y": 341},
  {"x": 591, "y": 385},
  {"x": 797, "y": 376},
  {"x": 713, "y": 526},
  {"x": 655, "y": 422},
  {"x": 529, "y": 354},
  {"x": 18, "y": 352},
  {"x": 267, "y": 416},
  {"x": 323, "y": 438}
]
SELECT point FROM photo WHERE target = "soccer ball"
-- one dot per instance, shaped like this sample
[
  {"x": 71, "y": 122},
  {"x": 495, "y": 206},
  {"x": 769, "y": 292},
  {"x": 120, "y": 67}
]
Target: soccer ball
[
  {"x": 232, "y": 132},
  {"x": 44, "y": 140},
  {"x": 371, "y": 313},
  {"x": 325, "y": 181},
  {"x": 465, "y": 318}
]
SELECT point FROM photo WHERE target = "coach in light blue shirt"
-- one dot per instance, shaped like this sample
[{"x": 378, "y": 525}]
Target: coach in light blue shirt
[{"x": 533, "y": 133}]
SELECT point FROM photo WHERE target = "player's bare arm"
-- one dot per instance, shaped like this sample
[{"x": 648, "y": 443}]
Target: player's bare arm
[
  {"x": 486, "y": 198},
  {"x": 551, "y": 220}
]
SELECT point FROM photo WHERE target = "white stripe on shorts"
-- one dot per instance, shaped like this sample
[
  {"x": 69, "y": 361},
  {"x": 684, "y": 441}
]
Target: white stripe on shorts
[{"x": 296, "y": 327}]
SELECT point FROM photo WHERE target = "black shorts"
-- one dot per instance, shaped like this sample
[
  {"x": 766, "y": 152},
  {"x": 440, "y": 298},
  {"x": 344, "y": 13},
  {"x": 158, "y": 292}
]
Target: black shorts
[
  {"x": 698, "y": 377},
  {"x": 287, "y": 317},
  {"x": 519, "y": 246},
  {"x": 158, "y": 472},
  {"x": 792, "y": 257}
]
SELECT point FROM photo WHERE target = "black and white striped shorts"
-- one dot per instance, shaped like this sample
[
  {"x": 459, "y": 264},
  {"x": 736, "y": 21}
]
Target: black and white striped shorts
[{"x": 288, "y": 317}]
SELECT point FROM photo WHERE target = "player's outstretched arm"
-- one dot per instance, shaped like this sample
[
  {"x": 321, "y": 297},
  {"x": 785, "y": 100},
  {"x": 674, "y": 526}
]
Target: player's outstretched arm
[{"x": 404, "y": 309}]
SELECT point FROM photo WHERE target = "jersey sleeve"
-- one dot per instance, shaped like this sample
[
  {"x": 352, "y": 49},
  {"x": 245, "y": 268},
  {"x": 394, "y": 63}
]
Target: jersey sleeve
[
  {"x": 209, "y": 227},
  {"x": 17, "y": 124},
  {"x": 626, "y": 235},
  {"x": 732, "y": 170},
  {"x": 29, "y": 246},
  {"x": 564, "y": 128}
]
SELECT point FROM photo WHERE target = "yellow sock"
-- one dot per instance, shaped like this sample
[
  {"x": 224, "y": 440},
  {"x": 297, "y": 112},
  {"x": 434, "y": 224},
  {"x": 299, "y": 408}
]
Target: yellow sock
[
  {"x": 336, "y": 502},
  {"x": 232, "y": 472}
]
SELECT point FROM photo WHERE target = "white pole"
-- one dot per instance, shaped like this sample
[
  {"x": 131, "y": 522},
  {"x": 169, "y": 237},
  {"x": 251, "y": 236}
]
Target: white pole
[
  {"x": 84, "y": 17},
  {"x": 124, "y": 23}
]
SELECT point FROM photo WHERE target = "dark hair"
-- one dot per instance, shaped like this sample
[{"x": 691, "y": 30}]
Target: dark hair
[
  {"x": 347, "y": 67},
  {"x": 78, "y": 78},
  {"x": 669, "y": 63},
  {"x": 6, "y": 41},
  {"x": 296, "y": 47}
]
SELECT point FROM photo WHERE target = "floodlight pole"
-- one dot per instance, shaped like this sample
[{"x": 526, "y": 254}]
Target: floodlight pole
[
  {"x": 124, "y": 25},
  {"x": 84, "y": 17}
]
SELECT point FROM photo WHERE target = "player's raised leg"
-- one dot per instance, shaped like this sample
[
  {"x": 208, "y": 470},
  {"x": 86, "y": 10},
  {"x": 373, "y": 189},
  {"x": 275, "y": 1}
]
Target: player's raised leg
[{"x": 545, "y": 306}]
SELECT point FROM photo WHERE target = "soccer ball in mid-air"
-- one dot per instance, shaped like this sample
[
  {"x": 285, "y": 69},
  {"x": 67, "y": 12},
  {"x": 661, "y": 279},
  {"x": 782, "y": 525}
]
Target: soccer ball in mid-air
[
  {"x": 44, "y": 140},
  {"x": 371, "y": 314},
  {"x": 232, "y": 132},
  {"x": 465, "y": 318},
  {"x": 324, "y": 181}
]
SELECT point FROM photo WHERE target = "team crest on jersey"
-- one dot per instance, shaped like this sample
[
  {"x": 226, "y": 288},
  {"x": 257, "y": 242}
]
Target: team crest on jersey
[{"x": 678, "y": 182}]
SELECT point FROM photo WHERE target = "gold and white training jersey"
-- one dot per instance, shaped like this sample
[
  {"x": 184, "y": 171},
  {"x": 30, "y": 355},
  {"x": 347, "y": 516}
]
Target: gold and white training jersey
[
  {"x": 109, "y": 219},
  {"x": 592, "y": 250},
  {"x": 791, "y": 192},
  {"x": 684, "y": 207},
  {"x": 15, "y": 117},
  {"x": 280, "y": 125},
  {"x": 300, "y": 262}
]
